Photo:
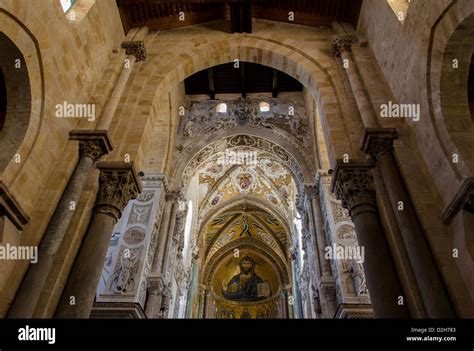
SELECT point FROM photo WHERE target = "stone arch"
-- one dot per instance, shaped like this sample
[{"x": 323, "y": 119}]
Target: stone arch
[
  {"x": 451, "y": 38},
  {"x": 17, "y": 99},
  {"x": 27, "y": 115},
  {"x": 316, "y": 77},
  {"x": 295, "y": 162}
]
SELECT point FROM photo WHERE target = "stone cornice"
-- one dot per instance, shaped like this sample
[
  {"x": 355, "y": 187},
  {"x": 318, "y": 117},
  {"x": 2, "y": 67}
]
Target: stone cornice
[
  {"x": 463, "y": 199},
  {"x": 10, "y": 208},
  {"x": 378, "y": 141},
  {"x": 92, "y": 143}
]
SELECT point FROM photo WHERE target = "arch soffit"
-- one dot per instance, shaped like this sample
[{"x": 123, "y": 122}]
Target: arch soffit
[
  {"x": 316, "y": 77},
  {"x": 28, "y": 45}
]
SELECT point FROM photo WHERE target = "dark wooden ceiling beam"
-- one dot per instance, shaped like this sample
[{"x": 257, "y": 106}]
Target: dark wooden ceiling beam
[
  {"x": 275, "y": 83},
  {"x": 243, "y": 79},
  {"x": 164, "y": 14},
  {"x": 240, "y": 16},
  {"x": 210, "y": 76}
]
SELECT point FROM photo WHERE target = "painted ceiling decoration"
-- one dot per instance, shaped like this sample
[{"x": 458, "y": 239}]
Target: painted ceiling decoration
[
  {"x": 264, "y": 178},
  {"x": 285, "y": 115},
  {"x": 241, "y": 223},
  {"x": 257, "y": 144},
  {"x": 246, "y": 161}
]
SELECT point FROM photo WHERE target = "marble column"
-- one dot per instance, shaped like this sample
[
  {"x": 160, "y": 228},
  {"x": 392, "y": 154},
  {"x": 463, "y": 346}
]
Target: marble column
[
  {"x": 92, "y": 145},
  {"x": 135, "y": 51},
  {"x": 165, "y": 302},
  {"x": 326, "y": 282},
  {"x": 154, "y": 303},
  {"x": 155, "y": 291},
  {"x": 378, "y": 143},
  {"x": 352, "y": 183},
  {"x": 176, "y": 228},
  {"x": 118, "y": 184},
  {"x": 342, "y": 48}
]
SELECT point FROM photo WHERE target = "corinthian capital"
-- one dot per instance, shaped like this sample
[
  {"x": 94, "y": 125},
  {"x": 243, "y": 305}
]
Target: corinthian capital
[
  {"x": 342, "y": 43},
  {"x": 353, "y": 184},
  {"x": 135, "y": 48},
  {"x": 118, "y": 184},
  {"x": 92, "y": 143}
]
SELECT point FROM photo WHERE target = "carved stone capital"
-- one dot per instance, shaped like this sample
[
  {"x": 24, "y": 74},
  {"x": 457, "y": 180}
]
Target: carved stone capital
[
  {"x": 135, "y": 48},
  {"x": 352, "y": 183},
  {"x": 92, "y": 143},
  {"x": 327, "y": 290},
  {"x": 463, "y": 199},
  {"x": 378, "y": 141},
  {"x": 118, "y": 184},
  {"x": 155, "y": 285},
  {"x": 172, "y": 195},
  {"x": 342, "y": 43},
  {"x": 311, "y": 190}
]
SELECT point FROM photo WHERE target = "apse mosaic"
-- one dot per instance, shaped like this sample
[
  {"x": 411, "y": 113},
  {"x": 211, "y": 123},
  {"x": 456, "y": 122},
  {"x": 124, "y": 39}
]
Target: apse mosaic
[
  {"x": 248, "y": 278},
  {"x": 246, "y": 199}
]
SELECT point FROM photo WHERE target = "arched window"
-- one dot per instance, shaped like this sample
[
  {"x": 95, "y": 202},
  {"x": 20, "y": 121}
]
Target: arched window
[
  {"x": 67, "y": 4},
  {"x": 221, "y": 108},
  {"x": 400, "y": 7},
  {"x": 187, "y": 228},
  {"x": 264, "y": 106}
]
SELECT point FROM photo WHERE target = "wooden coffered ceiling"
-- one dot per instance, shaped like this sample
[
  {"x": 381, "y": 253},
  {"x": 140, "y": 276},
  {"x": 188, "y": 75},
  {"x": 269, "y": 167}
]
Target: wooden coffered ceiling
[
  {"x": 247, "y": 78},
  {"x": 165, "y": 14}
]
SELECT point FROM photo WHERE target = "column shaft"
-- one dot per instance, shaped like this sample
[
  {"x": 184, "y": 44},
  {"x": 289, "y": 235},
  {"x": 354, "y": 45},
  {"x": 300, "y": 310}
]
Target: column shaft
[
  {"x": 320, "y": 238},
  {"x": 429, "y": 281},
  {"x": 92, "y": 146},
  {"x": 85, "y": 275},
  {"x": 155, "y": 290},
  {"x": 378, "y": 143},
  {"x": 118, "y": 184},
  {"x": 32, "y": 286},
  {"x": 381, "y": 275},
  {"x": 342, "y": 46},
  {"x": 353, "y": 185},
  {"x": 360, "y": 94},
  {"x": 114, "y": 99}
]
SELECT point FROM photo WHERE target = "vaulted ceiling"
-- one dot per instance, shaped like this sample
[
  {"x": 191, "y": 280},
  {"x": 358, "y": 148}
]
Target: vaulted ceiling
[{"x": 165, "y": 14}]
